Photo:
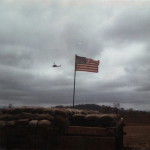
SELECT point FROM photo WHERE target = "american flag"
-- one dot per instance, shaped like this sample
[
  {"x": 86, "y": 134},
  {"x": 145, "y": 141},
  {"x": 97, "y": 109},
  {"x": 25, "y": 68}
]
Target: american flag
[{"x": 86, "y": 64}]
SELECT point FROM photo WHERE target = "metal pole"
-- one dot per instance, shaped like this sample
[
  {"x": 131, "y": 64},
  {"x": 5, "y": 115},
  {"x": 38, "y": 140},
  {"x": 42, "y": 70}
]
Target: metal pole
[{"x": 74, "y": 81}]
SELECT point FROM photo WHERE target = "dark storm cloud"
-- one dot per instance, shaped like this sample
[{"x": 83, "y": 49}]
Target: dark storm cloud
[
  {"x": 138, "y": 72},
  {"x": 15, "y": 56},
  {"x": 131, "y": 25},
  {"x": 35, "y": 34},
  {"x": 77, "y": 39},
  {"x": 29, "y": 24},
  {"x": 22, "y": 86},
  {"x": 130, "y": 30},
  {"x": 48, "y": 27}
]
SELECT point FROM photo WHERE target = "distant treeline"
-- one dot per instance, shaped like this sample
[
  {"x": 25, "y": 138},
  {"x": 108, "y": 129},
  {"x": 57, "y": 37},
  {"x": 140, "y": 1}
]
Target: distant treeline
[
  {"x": 131, "y": 116},
  {"x": 104, "y": 108}
]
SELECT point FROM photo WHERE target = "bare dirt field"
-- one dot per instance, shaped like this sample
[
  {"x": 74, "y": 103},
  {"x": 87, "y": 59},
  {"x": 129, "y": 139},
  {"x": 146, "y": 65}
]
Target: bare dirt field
[{"x": 137, "y": 136}]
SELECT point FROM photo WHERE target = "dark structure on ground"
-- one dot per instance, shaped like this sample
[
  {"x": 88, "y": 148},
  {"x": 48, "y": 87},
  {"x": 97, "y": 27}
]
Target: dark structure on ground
[{"x": 59, "y": 129}]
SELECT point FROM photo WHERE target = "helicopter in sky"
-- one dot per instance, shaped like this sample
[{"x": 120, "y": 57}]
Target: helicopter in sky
[{"x": 54, "y": 65}]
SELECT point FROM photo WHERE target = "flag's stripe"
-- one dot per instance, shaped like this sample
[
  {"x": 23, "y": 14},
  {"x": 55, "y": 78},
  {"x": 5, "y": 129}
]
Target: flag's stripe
[
  {"x": 94, "y": 70},
  {"x": 88, "y": 70},
  {"x": 87, "y": 65},
  {"x": 88, "y": 59},
  {"x": 91, "y": 63},
  {"x": 78, "y": 67}
]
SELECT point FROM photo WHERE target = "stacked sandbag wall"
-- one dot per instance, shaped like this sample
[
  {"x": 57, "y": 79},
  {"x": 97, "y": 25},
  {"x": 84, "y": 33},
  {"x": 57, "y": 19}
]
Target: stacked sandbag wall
[{"x": 27, "y": 127}]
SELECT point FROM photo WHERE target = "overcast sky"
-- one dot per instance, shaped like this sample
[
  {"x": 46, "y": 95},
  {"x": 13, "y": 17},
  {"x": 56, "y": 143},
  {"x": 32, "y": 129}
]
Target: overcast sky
[{"x": 36, "y": 33}]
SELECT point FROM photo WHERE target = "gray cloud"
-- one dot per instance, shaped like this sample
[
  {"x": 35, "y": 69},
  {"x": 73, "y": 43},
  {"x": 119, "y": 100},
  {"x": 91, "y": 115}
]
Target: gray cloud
[
  {"x": 131, "y": 25},
  {"x": 15, "y": 56},
  {"x": 35, "y": 34}
]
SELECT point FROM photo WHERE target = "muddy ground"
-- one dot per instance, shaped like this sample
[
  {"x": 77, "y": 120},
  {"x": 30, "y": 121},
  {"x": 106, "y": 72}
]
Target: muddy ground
[{"x": 137, "y": 137}]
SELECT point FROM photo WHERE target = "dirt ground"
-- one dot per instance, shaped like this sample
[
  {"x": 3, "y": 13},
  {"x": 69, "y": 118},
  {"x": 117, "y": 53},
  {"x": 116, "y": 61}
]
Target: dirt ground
[{"x": 137, "y": 137}]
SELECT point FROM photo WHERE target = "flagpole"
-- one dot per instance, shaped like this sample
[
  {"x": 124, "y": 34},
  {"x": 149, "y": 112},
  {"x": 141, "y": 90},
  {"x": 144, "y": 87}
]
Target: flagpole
[{"x": 74, "y": 81}]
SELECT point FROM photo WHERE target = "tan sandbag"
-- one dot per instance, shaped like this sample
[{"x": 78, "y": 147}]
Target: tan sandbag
[
  {"x": 6, "y": 110},
  {"x": 10, "y": 123},
  {"x": 61, "y": 112},
  {"x": 25, "y": 115},
  {"x": 33, "y": 123},
  {"x": 114, "y": 116},
  {"x": 43, "y": 117},
  {"x": 70, "y": 111},
  {"x": 6, "y": 117},
  {"x": 22, "y": 115},
  {"x": 92, "y": 116},
  {"x": 44, "y": 123},
  {"x": 93, "y": 120},
  {"x": 107, "y": 121},
  {"x": 78, "y": 120},
  {"x": 77, "y": 111},
  {"x": 22, "y": 121},
  {"x": 16, "y": 110},
  {"x": 2, "y": 124},
  {"x": 38, "y": 110},
  {"x": 50, "y": 111}
]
